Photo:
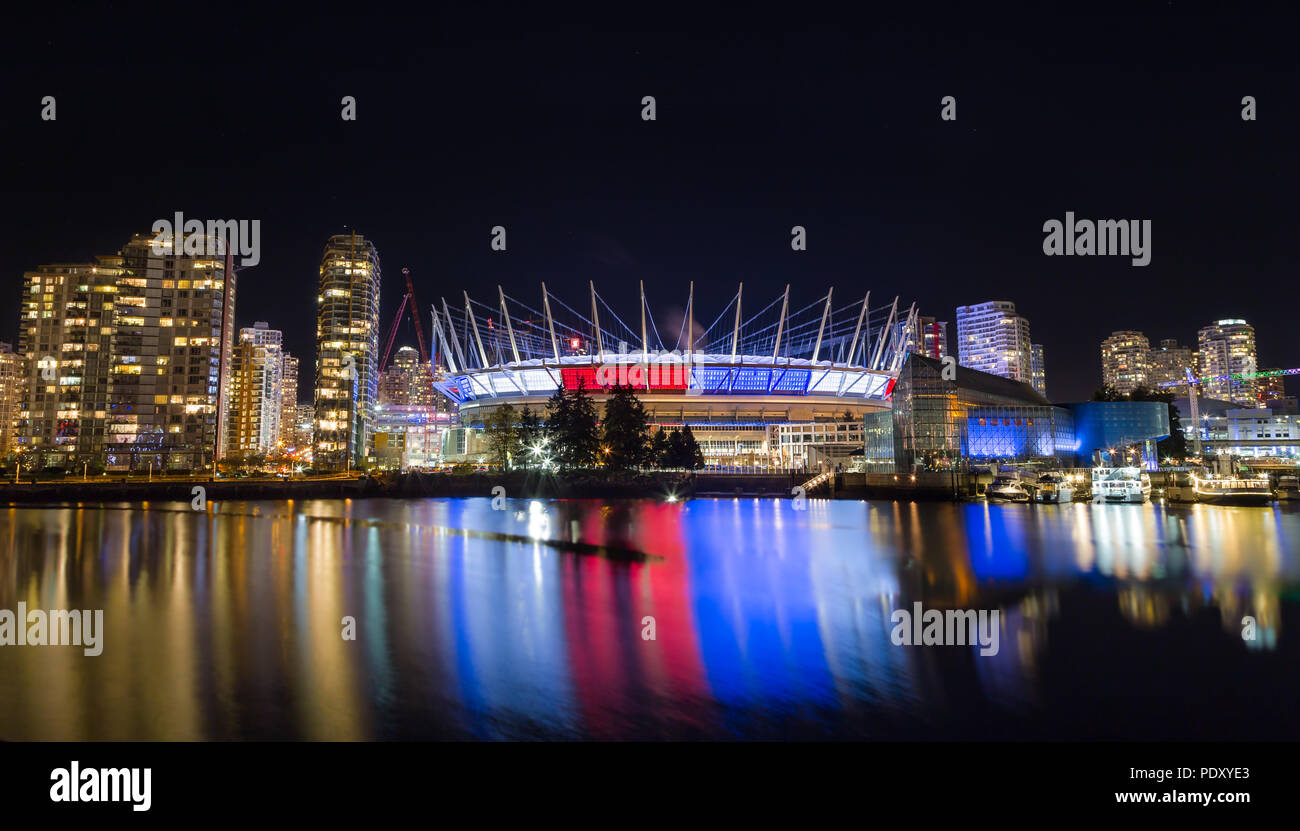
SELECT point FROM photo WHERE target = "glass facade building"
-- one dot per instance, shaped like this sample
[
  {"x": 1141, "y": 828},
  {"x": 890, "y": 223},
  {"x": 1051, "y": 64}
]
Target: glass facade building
[{"x": 974, "y": 418}]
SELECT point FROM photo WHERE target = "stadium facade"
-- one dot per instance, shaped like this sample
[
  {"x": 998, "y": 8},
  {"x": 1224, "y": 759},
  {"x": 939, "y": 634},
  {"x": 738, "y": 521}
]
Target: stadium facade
[{"x": 776, "y": 387}]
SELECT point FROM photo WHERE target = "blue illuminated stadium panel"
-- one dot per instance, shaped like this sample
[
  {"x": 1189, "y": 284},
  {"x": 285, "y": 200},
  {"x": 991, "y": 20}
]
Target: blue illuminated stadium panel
[
  {"x": 711, "y": 380},
  {"x": 752, "y": 380},
  {"x": 792, "y": 381}
]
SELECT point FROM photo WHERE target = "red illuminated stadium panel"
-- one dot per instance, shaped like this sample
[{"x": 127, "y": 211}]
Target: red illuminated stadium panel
[
  {"x": 584, "y": 374},
  {"x": 655, "y": 378}
]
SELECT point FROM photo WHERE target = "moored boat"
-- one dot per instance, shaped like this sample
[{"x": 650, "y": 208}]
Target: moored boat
[
  {"x": 1053, "y": 487},
  {"x": 1007, "y": 488},
  {"x": 1217, "y": 489},
  {"x": 1120, "y": 484}
]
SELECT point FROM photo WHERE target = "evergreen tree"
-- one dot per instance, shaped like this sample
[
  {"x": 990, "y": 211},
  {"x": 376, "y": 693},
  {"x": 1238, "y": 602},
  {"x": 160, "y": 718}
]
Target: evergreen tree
[
  {"x": 626, "y": 443},
  {"x": 692, "y": 455},
  {"x": 573, "y": 428},
  {"x": 531, "y": 436},
  {"x": 674, "y": 450},
  {"x": 659, "y": 449}
]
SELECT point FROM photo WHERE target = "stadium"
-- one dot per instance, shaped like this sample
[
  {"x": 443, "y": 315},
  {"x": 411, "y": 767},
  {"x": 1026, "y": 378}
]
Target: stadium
[{"x": 777, "y": 388}]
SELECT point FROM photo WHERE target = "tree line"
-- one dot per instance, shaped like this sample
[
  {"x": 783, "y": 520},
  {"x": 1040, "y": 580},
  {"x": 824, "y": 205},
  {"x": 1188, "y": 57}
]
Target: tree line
[{"x": 572, "y": 434}]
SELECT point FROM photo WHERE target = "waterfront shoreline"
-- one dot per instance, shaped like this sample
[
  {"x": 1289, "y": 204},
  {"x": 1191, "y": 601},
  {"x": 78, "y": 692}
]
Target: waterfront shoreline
[{"x": 514, "y": 485}]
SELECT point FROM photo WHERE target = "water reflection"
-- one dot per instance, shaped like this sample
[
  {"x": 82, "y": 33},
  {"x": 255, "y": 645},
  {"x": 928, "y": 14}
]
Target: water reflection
[{"x": 769, "y": 622}]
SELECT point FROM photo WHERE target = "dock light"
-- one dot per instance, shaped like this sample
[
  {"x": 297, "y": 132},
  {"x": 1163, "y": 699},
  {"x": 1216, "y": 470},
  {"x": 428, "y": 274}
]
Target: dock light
[{"x": 575, "y": 343}]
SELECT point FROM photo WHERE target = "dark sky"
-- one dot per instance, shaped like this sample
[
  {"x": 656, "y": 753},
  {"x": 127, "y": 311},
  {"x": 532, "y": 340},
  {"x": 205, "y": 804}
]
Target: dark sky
[{"x": 764, "y": 122}]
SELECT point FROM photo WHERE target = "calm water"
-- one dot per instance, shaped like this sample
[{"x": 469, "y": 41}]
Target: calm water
[{"x": 1118, "y": 620}]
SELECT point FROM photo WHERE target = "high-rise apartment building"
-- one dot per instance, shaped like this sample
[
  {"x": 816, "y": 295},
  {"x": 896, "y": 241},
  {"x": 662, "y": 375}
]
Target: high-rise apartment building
[
  {"x": 255, "y": 396},
  {"x": 927, "y": 336},
  {"x": 65, "y": 340},
  {"x": 1168, "y": 363},
  {"x": 126, "y": 359},
  {"x": 288, "y": 401},
  {"x": 347, "y": 347},
  {"x": 1125, "y": 361},
  {"x": 1038, "y": 369},
  {"x": 1271, "y": 385},
  {"x": 407, "y": 380},
  {"x": 11, "y": 387},
  {"x": 993, "y": 338},
  {"x": 304, "y": 428},
  {"x": 1227, "y": 348}
]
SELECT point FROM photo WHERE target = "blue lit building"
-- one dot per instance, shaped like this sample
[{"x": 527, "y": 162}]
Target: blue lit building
[{"x": 973, "y": 418}]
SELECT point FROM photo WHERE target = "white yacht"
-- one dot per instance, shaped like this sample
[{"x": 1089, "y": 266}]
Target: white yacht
[
  {"x": 1120, "y": 484},
  {"x": 1006, "y": 487},
  {"x": 1053, "y": 487}
]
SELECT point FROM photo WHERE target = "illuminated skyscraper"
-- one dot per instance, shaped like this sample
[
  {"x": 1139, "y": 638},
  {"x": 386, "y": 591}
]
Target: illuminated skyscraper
[
  {"x": 65, "y": 340},
  {"x": 407, "y": 380},
  {"x": 1227, "y": 348},
  {"x": 1169, "y": 362},
  {"x": 126, "y": 359},
  {"x": 930, "y": 337},
  {"x": 347, "y": 347},
  {"x": 1038, "y": 369},
  {"x": 11, "y": 384},
  {"x": 1125, "y": 361},
  {"x": 256, "y": 391},
  {"x": 289, "y": 401},
  {"x": 992, "y": 338}
]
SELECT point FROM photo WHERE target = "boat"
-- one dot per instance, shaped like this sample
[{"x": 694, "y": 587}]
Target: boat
[
  {"x": 1220, "y": 489},
  {"x": 1053, "y": 487},
  {"x": 1288, "y": 487},
  {"x": 1007, "y": 488},
  {"x": 1120, "y": 484}
]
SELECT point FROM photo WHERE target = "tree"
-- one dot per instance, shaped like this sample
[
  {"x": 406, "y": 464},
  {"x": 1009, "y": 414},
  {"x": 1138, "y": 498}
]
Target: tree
[
  {"x": 502, "y": 430},
  {"x": 531, "y": 435},
  {"x": 659, "y": 449},
  {"x": 674, "y": 450},
  {"x": 693, "y": 456},
  {"x": 573, "y": 427},
  {"x": 626, "y": 424}
]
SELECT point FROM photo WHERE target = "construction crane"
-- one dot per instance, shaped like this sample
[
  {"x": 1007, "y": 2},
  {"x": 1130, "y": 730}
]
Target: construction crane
[
  {"x": 426, "y": 353},
  {"x": 408, "y": 301},
  {"x": 1196, "y": 411},
  {"x": 1239, "y": 376},
  {"x": 1193, "y": 382}
]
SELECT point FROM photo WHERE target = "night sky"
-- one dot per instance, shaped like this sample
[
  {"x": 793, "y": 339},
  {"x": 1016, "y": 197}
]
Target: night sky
[{"x": 764, "y": 121}]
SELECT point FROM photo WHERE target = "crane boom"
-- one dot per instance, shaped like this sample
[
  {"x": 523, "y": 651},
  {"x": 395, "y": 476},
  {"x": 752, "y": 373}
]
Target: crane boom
[
  {"x": 1267, "y": 373},
  {"x": 392, "y": 332},
  {"x": 425, "y": 350}
]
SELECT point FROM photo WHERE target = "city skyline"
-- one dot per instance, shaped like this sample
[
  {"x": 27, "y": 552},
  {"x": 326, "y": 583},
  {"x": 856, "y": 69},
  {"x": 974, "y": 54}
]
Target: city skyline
[
  {"x": 933, "y": 322},
  {"x": 745, "y": 145},
  {"x": 911, "y": 378}
]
